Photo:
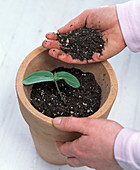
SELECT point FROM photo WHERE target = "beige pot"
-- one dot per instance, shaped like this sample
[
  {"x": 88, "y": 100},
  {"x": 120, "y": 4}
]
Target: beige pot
[{"x": 44, "y": 134}]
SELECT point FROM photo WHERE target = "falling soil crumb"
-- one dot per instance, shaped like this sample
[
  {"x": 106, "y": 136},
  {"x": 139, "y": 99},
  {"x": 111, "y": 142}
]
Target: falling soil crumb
[
  {"x": 81, "y": 43},
  {"x": 80, "y": 102}
]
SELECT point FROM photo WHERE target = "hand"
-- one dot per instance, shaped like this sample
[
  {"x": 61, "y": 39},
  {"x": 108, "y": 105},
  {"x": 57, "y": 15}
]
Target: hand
[
  {"x": 103, "y": 19},
  {"x": 95, "y": 146}
]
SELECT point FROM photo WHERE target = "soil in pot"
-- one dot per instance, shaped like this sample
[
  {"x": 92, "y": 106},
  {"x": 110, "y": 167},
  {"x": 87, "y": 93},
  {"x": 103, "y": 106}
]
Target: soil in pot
[
  {"x": 81, "y": 43},
  {"x": 80, "y": 102}
]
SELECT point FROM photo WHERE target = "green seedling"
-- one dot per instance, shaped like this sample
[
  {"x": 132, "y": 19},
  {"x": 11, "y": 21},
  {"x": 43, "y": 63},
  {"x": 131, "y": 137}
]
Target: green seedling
[{"x": 44, "y": 76}]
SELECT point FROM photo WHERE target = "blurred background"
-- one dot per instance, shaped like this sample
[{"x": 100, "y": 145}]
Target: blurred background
[{"x": 23, "y": 25}]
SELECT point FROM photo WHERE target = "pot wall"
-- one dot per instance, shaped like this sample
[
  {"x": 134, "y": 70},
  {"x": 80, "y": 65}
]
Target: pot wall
[
  {"x": 45, "y": 135},
  {"x": 43, "y": 132}
]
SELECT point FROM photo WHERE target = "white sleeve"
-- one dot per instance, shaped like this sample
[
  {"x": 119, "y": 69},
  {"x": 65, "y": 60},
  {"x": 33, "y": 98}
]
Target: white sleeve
[
  {"x": 127, "y": 149},
  {"x": 129, "y": 19}
]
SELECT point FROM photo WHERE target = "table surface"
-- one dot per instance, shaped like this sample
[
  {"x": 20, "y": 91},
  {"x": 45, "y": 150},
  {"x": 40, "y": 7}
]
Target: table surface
[{"x": 23, "y": 25}]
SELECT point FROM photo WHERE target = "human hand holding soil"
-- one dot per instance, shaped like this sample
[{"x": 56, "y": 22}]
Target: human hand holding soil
[
  {"x": 102, "y": 19},
  {"x": 95, "y": 147}
]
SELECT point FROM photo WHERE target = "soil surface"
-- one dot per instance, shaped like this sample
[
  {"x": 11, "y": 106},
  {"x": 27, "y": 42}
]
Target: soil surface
[
  {"x": 80, "y": 102},
  {"x": 81, "y": 43}
]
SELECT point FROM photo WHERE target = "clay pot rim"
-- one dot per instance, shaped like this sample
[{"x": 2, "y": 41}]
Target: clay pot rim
[{"x": 22, "y": 96}]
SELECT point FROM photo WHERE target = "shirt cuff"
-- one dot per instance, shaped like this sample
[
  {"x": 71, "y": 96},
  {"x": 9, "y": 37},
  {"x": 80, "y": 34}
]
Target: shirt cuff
[
  {"x": 127, "y": 149},
  {"x": 129, "y": 19}
]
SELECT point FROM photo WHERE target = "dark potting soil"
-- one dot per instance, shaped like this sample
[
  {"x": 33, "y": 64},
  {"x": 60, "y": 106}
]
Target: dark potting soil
[
  {"x": 81, "y": 43},
  {"x": 80, "y": 102}
]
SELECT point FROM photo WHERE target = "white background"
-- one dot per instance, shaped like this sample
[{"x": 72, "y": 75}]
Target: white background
[{"x": 23, "y": 25}]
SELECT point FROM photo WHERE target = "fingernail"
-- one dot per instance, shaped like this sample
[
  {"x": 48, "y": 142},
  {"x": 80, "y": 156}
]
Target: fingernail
[
  {"x": 46, "y": 42},
  {"x": 57, "y": 121},
  {"x": 57, "y": 148}
]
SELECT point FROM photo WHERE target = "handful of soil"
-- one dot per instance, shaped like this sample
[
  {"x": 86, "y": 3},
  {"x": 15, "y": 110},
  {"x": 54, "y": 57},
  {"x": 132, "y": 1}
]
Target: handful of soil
[
  {"x": 80, "y": 102},
  {"x": 81, "y": 43}
]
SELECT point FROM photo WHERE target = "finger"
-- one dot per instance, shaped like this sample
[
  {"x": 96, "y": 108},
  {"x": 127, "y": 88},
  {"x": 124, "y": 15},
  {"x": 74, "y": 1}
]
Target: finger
[
  {"x": 68, "y": 59},
  {"x": 65, "y": 148},
  {"x": 51, "y": 36},
  {"x": 91, "y": 61},
  {"x": 55, "y": 52},
  {"x": 51, "y": 44},
  {"x": 74, "y": 162},
  {"x": 71, "y": 124},
  {"x": 72, "y": 25},
  {"x": 59, "y": 54},
  {"x": 97, "y": 57},
  {"x": 78, "y": 22}
]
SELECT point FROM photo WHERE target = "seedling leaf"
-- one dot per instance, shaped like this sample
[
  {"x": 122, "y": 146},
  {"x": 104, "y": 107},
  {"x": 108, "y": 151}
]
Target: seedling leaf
[
  {"x": 43, "y": 76},
  {"x": 69, "y": 78},
  {"x": 37, "y": 77}
]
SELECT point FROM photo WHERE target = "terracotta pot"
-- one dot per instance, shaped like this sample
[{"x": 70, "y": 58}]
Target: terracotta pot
[{"x": 44, "y": 134}]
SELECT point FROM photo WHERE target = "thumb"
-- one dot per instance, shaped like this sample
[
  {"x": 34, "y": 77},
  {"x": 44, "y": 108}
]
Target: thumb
[
  {"x": 75, "y": 23},
  {"x": 71, "y": 124},
  {"x": 72, "y": 25}
]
